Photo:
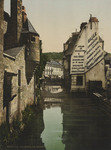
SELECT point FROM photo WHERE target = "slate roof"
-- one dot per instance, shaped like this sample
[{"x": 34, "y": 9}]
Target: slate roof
[
  {"x": 54, "y": 64},
  {"x": 28, "y": 28},
  {"x": 71, "y": 43},
  {"x": 14, "y": 51}
]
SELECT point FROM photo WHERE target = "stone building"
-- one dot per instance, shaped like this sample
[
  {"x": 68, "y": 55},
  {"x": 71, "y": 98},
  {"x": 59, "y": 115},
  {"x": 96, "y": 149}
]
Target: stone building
[
  {"x": 19, "y": 59},
  {"x": 83, "y": 61},
  {"x": 2, "y": 112}
]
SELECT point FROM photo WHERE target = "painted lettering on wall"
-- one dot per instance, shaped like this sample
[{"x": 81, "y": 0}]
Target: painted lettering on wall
[
  {"x": 83, "y": 60},
  {"x": 92, "y": 37},
  {"x": 78, "y": 61},
  {"x": 94, "y": 51}
]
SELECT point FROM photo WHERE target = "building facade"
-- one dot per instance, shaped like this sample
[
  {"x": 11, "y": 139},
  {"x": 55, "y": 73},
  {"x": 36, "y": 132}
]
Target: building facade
[
  {"x": 19, "y": 59},
  {"x": 83, "y": 57},
  {"x": 53, "y": 70},
  {"x": 2, "y": 111}
]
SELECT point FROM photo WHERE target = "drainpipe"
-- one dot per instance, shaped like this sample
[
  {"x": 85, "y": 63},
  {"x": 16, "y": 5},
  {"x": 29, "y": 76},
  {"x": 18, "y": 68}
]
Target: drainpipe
[
  {"x": 35, "y": 88},
  {"x": 19, "y": 95}
]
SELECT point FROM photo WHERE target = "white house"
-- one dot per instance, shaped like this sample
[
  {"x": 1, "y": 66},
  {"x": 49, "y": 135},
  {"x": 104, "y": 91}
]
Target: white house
[
  {"x": 53, "y": 70},
  {"x": 84, "y": 57}
]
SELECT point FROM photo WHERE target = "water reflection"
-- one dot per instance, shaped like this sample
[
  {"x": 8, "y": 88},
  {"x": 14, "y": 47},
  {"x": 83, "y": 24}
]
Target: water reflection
[
  {"x": 52, "y": 134},
  {"x": 85, "y": 127},
  {"x": 53, "y": 89},
  {"x": 67, "y": 124},
  {"x": 53, "y": 119},
  {"x": 30, "y": 138}
]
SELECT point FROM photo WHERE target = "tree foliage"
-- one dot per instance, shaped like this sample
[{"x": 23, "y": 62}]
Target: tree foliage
[{"x": 54, "y": 56}]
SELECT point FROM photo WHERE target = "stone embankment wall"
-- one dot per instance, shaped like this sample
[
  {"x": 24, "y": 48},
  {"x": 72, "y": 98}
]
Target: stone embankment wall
[{"x": 103, "y": 103}]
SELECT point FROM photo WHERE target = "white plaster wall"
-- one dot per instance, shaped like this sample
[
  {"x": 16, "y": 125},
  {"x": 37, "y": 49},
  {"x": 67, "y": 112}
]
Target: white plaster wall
[
  {"x": 92, "y": 63},
  {"x": 77, "y": 58},
  {"x": 89, "y": 47},
  {"x": 94, "y": 51}
]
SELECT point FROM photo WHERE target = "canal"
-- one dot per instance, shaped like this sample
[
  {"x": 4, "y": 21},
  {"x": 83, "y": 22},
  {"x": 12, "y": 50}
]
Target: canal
[{"x": 67, "y": 123}]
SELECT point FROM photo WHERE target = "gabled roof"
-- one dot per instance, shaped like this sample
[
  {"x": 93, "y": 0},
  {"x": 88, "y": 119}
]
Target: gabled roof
[
  {"x": 14, "y": 51},
  {"x": 29, "y": 28},
  {"x": 71, "y": 43}
]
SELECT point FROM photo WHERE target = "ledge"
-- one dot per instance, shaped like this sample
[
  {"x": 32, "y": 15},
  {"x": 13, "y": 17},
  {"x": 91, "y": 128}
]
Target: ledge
[{"x": 103, "y": 103}]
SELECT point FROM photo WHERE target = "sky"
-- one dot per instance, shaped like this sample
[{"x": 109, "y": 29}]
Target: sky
[{"x": 56, "y": 20}]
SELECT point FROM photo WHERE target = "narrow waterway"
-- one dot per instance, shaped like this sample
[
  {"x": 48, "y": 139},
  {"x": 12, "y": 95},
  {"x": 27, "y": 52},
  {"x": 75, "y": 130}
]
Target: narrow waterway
[
  {"x": 74, "y": 123},
  {"x": 67, "y": 123}
]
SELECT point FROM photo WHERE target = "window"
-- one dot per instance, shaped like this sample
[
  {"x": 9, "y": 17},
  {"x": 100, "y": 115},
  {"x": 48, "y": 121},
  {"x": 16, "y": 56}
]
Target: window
[
  {"x": 19, "y": 77},
  {"x": 33, "y": 39},
  {"x": 23, "y": 7},
  {"x": 79, "y": 80}
]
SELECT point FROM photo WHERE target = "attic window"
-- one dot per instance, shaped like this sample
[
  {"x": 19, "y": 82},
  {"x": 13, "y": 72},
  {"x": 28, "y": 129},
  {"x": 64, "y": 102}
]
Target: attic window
[{"x": 33, "y": 39}]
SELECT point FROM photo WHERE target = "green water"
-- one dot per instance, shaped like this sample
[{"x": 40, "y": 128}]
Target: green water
[
  {"x": 66, "y": 123},
  {"x": 52, "y": 134}
]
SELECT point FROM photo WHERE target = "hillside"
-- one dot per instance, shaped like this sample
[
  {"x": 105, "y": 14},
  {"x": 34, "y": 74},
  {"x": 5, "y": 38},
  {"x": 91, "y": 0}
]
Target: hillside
[{"x": 54, "y": 56}]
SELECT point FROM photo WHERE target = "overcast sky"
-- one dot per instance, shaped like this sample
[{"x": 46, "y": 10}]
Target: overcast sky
[{"x": 55, "y": 20}]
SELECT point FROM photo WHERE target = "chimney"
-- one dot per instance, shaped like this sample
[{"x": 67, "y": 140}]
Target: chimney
[
  {"x": 92, "y": 20},
  {"x": 16, "y": 21},
  {"x": 24, "y": 15}
]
